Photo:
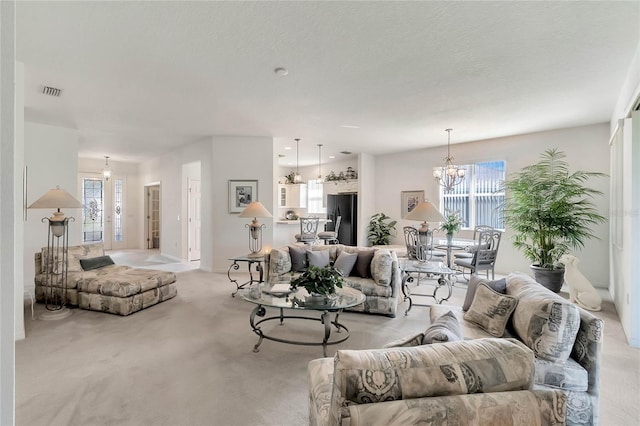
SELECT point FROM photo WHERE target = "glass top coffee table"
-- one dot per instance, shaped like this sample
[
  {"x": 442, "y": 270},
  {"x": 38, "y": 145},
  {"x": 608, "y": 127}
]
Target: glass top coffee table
[
  {"x": 298, "y": 301},
  {"x": 410, "y": 267}
]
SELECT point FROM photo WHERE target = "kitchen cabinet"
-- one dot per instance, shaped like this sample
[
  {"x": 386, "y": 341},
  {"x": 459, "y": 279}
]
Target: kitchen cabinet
[{"x": 292, "y": 196}]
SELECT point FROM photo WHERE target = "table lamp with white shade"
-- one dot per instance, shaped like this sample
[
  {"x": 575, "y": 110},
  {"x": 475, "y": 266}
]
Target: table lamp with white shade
[
  {"x": 57, "y": 250},
  {"x": 255, "y": 210}
]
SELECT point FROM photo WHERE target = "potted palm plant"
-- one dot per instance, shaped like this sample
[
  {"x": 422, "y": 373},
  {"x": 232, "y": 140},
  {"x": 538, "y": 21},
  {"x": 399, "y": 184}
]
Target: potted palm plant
[
  {"x": 319, "y": 282},
  {"x": 550, "y": 212}
]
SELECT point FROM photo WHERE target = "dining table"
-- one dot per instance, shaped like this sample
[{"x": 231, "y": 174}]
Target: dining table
[{"x": 453, "y": 244}]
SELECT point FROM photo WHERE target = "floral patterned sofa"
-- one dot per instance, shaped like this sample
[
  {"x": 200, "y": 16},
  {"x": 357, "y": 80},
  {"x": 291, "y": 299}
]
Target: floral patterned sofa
[
  {"x": 478, "y": 382},
  {"x": 116, "y": 289},
  {"x": 376, "y": 272},
  {"x": 566, "y": 341}
]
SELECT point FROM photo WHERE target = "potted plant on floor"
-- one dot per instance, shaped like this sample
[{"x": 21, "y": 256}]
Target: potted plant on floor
[
  {"x": 380, "y": 229},
  {"x": 319, "y": 282},
  {"x": 550, "y": 211}
]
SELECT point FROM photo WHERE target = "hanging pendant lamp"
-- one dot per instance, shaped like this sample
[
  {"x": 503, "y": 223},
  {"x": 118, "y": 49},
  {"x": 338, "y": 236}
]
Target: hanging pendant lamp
[
  {"x": 449, "y": 175},
  {"x": 106, "y": 172},
  {"x": 297, "y": 178},
  {"x": 320, "y": 179}
]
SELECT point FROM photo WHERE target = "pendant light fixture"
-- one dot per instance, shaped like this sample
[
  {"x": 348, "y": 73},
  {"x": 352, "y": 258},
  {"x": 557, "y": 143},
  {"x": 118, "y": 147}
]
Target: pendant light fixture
[
  {"x": 449, "y": 175},
  {"x": 106, "y": 172},
  {"x": 297, "y": 178},
  {"x": 320, "y": 163}
]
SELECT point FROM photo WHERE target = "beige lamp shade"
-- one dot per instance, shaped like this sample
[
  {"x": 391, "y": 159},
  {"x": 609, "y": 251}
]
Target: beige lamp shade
[
  {"x": 425, "y": 212},
  {"x": 56, "y": 199},
  {"x": 255, "y": 209}
]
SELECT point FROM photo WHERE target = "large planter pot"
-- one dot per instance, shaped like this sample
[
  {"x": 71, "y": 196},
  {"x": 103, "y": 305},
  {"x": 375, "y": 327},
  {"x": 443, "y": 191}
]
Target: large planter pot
[{"x": 549, "y": 278}]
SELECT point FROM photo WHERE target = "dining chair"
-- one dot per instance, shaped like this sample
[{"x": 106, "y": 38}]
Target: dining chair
[
  {"x": 468, "y": 251},
  {"x": 308, "y": 230},
  {"x": 485, "y": 255},
  {"x": 331, "y": 237},
  {"x": 420, "y": 245}
]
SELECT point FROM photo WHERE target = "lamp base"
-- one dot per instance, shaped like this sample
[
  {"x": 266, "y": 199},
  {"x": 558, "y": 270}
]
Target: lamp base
[
  {"x": 256, "y": 254},
  {"x": 55, "y": 315}
]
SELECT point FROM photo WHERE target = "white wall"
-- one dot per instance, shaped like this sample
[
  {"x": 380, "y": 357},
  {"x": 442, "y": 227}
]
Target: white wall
[
  {"x": 367, "y": 196},
  {"x": 239, "y": 158},
  {"x": 168, "y": 170},
  {"x": 51, "y": 156},
  {"x": 586, "y": 149},
  {"x": 7, "y": 213},
  {"x": 128, "y": 171}
]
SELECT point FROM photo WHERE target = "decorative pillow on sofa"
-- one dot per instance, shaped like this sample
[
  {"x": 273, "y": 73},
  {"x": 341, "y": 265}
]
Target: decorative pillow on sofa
[
  {"x": 318, "y": 258},
  {"x": 490, "y": 310},
  {"x": 96, "y": 262},
  {"x": 499, "y": 286},
  {"x": 345, "y": 262},
  {"x": 298, "y": 258},
  {"x": 85, "y": 251},
  {"x": 363, "y": 264},
  {"x": 444, "y": 329},
  {"x": 381, "y": 267},
  {"x": 545, "y": 322},
  {"x": 279, "y": 262}
]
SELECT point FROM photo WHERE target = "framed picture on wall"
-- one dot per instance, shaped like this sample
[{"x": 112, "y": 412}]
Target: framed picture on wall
[
  {"x": 241, "y": 193},
  {"x": 409, "y": 200}
]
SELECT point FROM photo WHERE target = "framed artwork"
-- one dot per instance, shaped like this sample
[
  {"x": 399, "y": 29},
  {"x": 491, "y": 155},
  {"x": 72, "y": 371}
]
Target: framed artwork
[
  {"x": 410, "y": 199},
  {"x": 241, "y": 193}
]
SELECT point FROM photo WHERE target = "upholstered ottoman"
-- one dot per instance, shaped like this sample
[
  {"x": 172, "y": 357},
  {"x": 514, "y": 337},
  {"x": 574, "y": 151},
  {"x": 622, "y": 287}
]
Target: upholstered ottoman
[{"x": 126, "y": 290}]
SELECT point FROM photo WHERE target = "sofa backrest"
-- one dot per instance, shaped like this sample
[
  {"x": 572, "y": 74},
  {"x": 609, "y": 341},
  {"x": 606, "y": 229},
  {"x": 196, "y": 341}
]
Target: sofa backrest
[
  {"x": 453, "y": 368},
  {"x": 53, "y": 264}
]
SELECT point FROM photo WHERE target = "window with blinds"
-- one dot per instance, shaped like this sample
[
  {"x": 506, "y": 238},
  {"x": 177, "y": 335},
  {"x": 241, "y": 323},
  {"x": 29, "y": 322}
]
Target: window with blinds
[
  {"x": 479, "y": 198},
  {"x": 314, "y": 197}
]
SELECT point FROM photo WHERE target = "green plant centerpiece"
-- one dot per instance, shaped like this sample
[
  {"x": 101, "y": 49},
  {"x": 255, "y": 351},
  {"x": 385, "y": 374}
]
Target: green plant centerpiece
[
  {"x": 319, "y": 281},
  {"x": 550, "y": 212},
  {"x": 452, "y": 224},
  {"x": 381, "y": 227}
]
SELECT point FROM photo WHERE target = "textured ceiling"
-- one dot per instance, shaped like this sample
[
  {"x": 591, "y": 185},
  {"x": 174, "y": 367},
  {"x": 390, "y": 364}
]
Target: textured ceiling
[{"x": 139, "y": 78}]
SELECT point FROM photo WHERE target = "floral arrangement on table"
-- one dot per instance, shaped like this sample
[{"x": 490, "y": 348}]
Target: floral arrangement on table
[
  {"x": 318, "y": 280},
  {"x": 453, "y": 222}
]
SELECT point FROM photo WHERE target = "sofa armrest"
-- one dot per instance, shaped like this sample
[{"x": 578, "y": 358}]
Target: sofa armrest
[
  {"x": 542, "y": 407},
  {"x": 38, "y": 263}
]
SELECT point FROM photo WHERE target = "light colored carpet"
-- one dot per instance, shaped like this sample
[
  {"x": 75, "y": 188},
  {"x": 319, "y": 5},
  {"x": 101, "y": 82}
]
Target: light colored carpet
[{"x": 189, "y": 361}]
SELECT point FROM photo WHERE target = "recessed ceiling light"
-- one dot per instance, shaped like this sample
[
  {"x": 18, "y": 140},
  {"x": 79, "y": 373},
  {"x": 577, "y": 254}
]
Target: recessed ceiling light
[
  {"x": 287, "y": 147},
  {"x": 346, "y": 126},
  {"x": 332, "y": 156},
  {"x": 281, "y": 71}
]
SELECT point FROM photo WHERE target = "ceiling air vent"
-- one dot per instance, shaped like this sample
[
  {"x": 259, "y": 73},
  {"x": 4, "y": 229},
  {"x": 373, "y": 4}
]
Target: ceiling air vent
[
  {"x": 51, "y": 91},
  {"x": 346, "y": 152}
]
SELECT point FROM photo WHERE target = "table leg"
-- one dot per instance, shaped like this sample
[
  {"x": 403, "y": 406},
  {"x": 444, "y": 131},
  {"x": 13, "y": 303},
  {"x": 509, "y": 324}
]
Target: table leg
[
  {"x": 406, "y": 292},
  {"x": 326, "y": 320},
  {"x": 235, "y": 267},
  {"x": 444, "y": 280},
  {"x": 260, "y": 311}
]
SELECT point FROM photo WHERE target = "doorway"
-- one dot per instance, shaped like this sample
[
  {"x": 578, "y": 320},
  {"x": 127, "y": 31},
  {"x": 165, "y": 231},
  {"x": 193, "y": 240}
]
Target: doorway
[
  {"x": 194, "y": 224},
  {"x": 152, "y": 215},
  {"x": 103, "y": 215}
]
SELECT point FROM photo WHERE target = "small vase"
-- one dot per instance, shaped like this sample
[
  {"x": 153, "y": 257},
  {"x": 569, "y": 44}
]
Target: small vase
[{"x": 449, "y": 238}]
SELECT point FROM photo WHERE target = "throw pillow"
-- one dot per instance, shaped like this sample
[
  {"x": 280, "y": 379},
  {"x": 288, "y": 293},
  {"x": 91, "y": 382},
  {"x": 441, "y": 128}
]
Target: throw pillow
[
  {"x": 498, "y": 285},
  {"x": 444, "y": 329},
  {"x": 279, "y": 262},
  {"x": 318, "y": 258},
  {"x": 96, "y": 262},
  {"x": 381, "y": 267},
  {"x": 85, "y": 251},
  {"x": 490, "y": 310},
  {"x": 345, "y": 262},
  {"x": 298, "y": 258},
  {"x": 363, "y": 264}
]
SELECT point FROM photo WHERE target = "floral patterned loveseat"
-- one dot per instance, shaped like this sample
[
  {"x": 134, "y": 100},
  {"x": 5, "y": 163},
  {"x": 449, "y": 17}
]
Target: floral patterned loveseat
[
  {"x": 116, "y": 289},
  {"x": 376, "y": 272},
  {"x": 565, "y": 339},
  {"x": 476, "y": 382}
]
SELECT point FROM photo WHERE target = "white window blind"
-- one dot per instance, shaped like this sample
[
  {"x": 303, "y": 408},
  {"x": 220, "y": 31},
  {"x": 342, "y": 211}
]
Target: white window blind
[{"x": 314, "y": 197}]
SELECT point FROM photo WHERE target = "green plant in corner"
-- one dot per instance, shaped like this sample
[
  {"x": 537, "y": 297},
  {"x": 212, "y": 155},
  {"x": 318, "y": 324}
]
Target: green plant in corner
[
  {"x": 319, "y": 280},
  {"x": 380, "y": 229},
  {"x": 550, "y": 210}
]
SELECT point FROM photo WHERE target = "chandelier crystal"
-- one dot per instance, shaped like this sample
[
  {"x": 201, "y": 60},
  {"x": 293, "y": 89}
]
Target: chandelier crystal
[{"x": 449, "y": 175}]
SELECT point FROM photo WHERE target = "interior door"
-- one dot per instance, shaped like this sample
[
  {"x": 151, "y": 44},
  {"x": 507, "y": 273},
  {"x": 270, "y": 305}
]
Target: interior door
[
  {"x": 194, "y": 219},
  {"x": 153, "y": 216},
  {"x": 104, "y": 210}
]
